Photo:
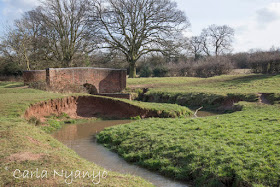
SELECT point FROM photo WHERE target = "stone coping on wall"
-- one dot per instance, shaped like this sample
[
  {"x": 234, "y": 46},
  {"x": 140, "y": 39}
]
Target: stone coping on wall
[{"x": 33, "y": 70}]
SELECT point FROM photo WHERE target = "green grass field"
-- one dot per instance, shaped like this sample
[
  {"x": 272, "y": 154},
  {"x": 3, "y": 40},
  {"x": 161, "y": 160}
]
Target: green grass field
[
  {"x": 217, "y": 85},
  {"x": 238, "y": 149}
]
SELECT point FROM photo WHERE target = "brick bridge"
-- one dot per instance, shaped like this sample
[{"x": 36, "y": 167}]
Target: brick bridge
[{"x": 97, "y": 80}]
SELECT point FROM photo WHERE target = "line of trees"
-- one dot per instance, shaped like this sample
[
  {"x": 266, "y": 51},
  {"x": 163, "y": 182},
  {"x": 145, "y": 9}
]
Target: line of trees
[
  {"x": 53, "y": 34},
  {"x": 59, "y": 32},
  {"x": 120, "y": 33},
  {"x": 213, "y": 40},
  {"x": 254, "y": 61}
]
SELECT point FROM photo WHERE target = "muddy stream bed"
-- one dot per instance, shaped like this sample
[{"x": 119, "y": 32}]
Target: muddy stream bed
[{"x": 81, "y": 138}]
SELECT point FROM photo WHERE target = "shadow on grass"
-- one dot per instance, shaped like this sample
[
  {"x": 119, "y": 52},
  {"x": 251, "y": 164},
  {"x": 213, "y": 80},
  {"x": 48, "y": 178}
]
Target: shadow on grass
[
  {"x": 11, "y": 84},
  {"x": 248, "y": 79},
  {"x": 2, "y": 84}
]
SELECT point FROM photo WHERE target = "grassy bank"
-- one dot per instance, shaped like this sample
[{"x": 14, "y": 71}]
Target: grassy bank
[
  {"x": 208, "y": 92},
  {"x": 165, "y": 110},
  {"x": 27, "y": 148},
  {"x": 239, "y": 149}
]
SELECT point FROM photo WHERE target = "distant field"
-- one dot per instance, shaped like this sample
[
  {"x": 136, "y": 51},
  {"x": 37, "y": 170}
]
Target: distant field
[{"x": 219, "y": 85}]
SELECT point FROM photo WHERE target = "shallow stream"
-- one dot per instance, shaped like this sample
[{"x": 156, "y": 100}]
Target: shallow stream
[{"x": 81, "y": 138}]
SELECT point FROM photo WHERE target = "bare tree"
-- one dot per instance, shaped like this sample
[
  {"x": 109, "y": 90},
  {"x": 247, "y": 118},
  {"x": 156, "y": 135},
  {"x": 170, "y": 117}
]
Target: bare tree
[
  {"x": 54, "y": 32},
  {"x": 66, "y": 24},
  {"x": 138, "y": 27},
  {"x": 195, "y": 45},
  {"x": 206, "y": 43},
  {"x": 217, "y": 40},
  {"x": 34, "y": 40},
  {"x": 17, "y": 43}
]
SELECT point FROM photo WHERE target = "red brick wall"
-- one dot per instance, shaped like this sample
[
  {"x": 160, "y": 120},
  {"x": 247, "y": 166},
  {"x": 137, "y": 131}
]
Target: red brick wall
[
  {"x": 103, "y": 79},
  {"x": 34, "y": 76}
]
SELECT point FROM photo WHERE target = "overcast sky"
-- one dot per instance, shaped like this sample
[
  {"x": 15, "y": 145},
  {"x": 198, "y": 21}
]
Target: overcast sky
[{"x": 256, "y": 22}]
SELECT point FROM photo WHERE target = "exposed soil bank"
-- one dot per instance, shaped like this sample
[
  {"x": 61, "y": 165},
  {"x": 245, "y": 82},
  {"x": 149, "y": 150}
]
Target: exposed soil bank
[
  {"x": 87, "y": 107},
  {"x": 269, "y": 98}
]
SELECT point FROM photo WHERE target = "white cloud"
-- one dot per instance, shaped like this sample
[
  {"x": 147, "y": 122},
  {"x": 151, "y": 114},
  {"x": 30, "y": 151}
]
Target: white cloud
[
  {"x": 23, "y": 4},
  {"x": 260, "y": 31},
  {"x": 13, "y": 9},
  {"x": 256, "y": 22},
  {"x": 268, "y": 14}
]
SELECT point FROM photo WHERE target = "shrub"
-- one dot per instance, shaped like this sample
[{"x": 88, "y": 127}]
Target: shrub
[
  {"x": 265, "y": 62},
  {"x": 240, "y": 60},
  {"x": 206, "y": 67},
  {"x": 160, "y": 71},
  {"x": 11, "y": 78},
  {"x": 146, "y": 72},
  {"x": 182, "y": 69},
  {"x": 213, "y": 66},
  {"x": 10, "y": 69}
]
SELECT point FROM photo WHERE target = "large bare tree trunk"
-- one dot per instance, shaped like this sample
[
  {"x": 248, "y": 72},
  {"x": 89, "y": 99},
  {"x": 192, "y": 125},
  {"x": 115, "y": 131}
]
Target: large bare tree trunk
[
  {"x": 132, "y": 70},
  {"x": 26, "y": 57}
]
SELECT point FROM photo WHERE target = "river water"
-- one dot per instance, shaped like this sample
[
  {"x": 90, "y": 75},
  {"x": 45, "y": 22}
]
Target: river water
[{"x": 81, "y": 138}]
